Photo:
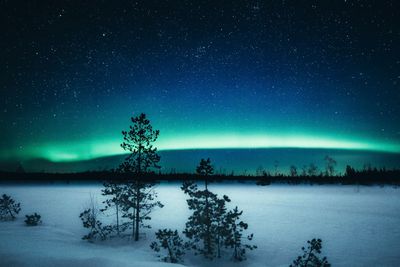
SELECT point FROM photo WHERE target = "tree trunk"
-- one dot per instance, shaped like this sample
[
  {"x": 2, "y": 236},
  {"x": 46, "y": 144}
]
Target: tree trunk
[
  {"x": 308, "y": 257},
  {"x": 133, "y": 223},
  {"x": 117, "y": 210},
  {"x": 171, "y": 255},
  {"x": 137, "y": 204},
  {"x": 137, "y": 219},
  {"x": 12, "y": 216},
  {"x": 208, "y": 223}
]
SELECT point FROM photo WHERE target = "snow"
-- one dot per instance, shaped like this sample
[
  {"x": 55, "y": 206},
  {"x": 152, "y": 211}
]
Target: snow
[{"x": 359, "y": 226}]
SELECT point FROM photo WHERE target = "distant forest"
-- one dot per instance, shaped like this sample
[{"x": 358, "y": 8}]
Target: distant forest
[{"x": 366, "y": 176}]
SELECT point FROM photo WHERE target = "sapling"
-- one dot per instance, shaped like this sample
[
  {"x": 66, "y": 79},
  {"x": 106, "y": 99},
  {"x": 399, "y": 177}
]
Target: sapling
[
  {"x": 310, "y": 257},
  {"x": 8, "y": 208},
  {"x": 172, "y": 243}
]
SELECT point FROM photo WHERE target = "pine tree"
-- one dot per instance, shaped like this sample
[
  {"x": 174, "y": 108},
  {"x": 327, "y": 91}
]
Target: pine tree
[
  {"x": 234, "y": 235},
  {"x": 170, "y": 241},
  {"x": 350, "y": 171},
  {"x": 330, "y": 165},
  {"x": 205, "y": 227},
  {"x": 139, "y": 196},
  {"x": 210, "y": 227},
  {"x": 310, "y": 256},
  {"x": 8, "y": 208},
  {"x": 205, "y": 169},
  {"x": 312, "y": 170},
  {"x": 293, "y": 171}
]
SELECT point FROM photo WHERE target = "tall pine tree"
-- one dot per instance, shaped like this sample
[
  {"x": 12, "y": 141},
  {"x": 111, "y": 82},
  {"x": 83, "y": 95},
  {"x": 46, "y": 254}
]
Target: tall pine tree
[{"x": 139, "y": 195}]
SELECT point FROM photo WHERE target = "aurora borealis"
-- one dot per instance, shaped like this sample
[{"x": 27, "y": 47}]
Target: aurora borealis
[
  {"x": 209, "y": 74},
  {"x": 89, "y": 150}
]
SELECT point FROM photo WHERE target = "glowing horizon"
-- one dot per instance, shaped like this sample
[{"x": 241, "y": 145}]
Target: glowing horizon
[{"x": 86, "y": 150}]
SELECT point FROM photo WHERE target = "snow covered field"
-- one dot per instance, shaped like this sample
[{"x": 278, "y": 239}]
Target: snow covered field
[{"x": 359, "y": 226}]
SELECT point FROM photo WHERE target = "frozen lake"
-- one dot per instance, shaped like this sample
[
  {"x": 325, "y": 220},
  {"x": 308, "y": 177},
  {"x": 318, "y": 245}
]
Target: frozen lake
[{"x": 359, "y": 226}]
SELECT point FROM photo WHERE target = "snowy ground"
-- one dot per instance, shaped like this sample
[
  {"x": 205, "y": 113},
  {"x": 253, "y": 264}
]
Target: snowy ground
[{"x": 359, "y": 226}]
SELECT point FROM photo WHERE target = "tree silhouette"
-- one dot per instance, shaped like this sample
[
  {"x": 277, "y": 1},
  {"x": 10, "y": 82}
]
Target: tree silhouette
[
  {"x": 33, "y": 219},
  {"x": 206, "y": 227},
  {"x": 330, "y": 165},
  {"x": 205, "y": 169},
  {"x": 310, "y": 256},
  {"x": 139, "y": 196},
  {"x": 312, "y": 170},
  {"x": 8, "y": 208},
  {"x": 170, "y": 241},
  {"x": 90, "y": 220},
  {"x": 293, "y": 171},
  {"x": 234, "y": 235}
]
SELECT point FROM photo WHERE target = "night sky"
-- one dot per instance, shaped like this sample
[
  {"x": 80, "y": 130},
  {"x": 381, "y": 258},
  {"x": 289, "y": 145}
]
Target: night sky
[{"x": 209, "y": 74}]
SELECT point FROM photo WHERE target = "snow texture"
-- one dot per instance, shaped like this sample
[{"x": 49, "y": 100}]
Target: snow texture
[{"x": 359, "y": 226}]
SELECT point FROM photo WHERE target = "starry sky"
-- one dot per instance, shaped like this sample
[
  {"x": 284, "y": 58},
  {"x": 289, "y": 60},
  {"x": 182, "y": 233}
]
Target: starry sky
[{"x": 209, "y": 74}]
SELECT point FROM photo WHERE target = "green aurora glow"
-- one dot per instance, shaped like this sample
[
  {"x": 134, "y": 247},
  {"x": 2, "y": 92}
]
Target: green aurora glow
[{"x": 85, "y": 150}]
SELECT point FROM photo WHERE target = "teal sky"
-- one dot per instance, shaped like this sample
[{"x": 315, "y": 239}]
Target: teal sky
[{"x": 248, "y": 74}]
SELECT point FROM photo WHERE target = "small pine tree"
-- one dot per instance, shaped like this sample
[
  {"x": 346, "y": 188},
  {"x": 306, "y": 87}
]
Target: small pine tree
[
  {"x": 90, "y": 220},
  {"x": 293, "y": 171},
  {"x": 234, "y": 235},
  {"x": 33, "y": 219},
  {"x": 350, "y": 171},
  {"x": 310, "y": 257},
  {"x": 96, "y": 229},
  {"x": 209, "y": 226},
  {"x": 170, "y": 241},
  {"x": 330, "y": 165},
  {"x": 312, "y": 170},
  {"x": 204, "y": 226},
  {"x": 205, "y": 169},
  {"x": 8, "y": 208}
]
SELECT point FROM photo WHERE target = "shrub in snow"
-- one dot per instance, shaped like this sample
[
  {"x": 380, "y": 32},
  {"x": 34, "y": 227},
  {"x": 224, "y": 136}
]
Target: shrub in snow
[
  {"x": 33, "y": 219},
  {"x": 172, "y": 243},
  {"x": 96, "y": 229},
  {"x": 310, "y": 257},
  {"x": 8, "y": 208},
  {"x": 234, "y": 235}
]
